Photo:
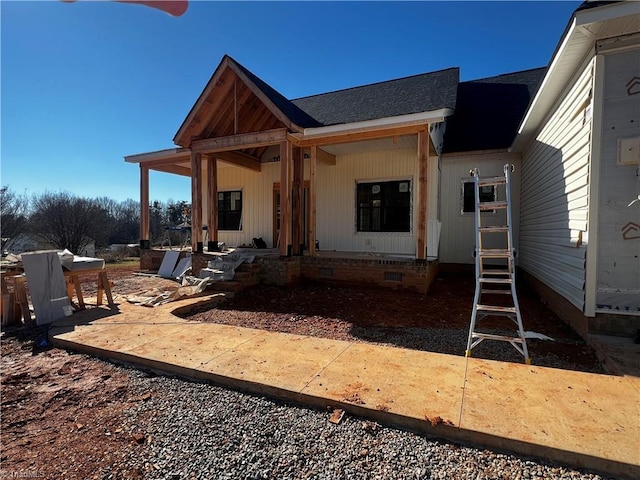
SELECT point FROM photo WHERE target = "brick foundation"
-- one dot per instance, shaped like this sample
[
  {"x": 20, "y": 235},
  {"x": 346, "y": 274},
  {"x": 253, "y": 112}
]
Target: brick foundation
[
  {"x": 605, "y": 324},
  {"x": 394, "y": 274},
  {"x": 275, "y": 270}
]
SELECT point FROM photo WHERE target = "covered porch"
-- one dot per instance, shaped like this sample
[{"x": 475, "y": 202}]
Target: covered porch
[{"x": 261, "y": 167}]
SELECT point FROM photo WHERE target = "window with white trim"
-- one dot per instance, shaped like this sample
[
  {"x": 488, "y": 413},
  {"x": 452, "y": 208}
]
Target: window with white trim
[
  {"x": 468, "y": 196},
  {"x": 384, "y": 206}
]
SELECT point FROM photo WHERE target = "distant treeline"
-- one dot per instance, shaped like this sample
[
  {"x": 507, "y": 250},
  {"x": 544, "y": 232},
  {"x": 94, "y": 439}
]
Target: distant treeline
[{"x": 65, "y": 220}]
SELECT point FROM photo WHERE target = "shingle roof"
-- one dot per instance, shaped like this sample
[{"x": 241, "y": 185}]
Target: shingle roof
[
  {"x": 403, "y": 96},
  {"x": 489, "y": 111},
  {"x": 292, "y": 111}
]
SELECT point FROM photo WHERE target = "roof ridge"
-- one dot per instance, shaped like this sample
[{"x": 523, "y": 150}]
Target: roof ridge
[
  {"x": 505, "y": 74},
  {"x": 375, "y": 83}
]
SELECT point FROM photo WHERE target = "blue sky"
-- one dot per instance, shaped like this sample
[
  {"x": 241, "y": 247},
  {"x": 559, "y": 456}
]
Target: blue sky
[{"x": 85, "y": 83}]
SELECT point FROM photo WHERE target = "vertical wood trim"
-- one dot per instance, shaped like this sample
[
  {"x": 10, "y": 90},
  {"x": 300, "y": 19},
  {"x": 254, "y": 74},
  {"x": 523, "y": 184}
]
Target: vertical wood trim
[
  {"x": 196, "y": 202},
  {"x": 144, "y": 206},
  {"x": 297, "y": 210},
  {"x": 212, "y": 199},
  {"x": 591, "y": 268},
  {"x": 313, "y": 186},
  {"x": 285, "y": 198},
  {"x": 423, "y": 178}
]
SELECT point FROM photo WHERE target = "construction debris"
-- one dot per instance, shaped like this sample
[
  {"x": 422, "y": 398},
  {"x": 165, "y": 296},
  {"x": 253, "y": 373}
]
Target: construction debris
[
  {"x": 336, "y": 416},
  {"x": 191, "y": 286}
]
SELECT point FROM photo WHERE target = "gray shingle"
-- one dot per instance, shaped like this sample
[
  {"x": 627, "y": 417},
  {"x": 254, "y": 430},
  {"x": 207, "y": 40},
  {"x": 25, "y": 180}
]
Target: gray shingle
[{"x": 418, "y": 93}]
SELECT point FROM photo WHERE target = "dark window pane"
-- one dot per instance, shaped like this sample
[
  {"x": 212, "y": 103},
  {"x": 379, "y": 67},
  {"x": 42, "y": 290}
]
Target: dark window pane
[
  {"x": 487, "y": 194},
  {"x": 229, "y": 210},
  {"x": 384, "y": 206}
]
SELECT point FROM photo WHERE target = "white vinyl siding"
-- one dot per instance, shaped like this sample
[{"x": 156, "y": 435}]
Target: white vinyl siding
[
  {"x": 257, "y": 201},
  {"x": 336, "y": 211},
  {"x": 554, "y": 194},
  {"x": 618, "y": 265},
  {"x": 336, "y": 200},
  {"x": 458, "y": 240}
]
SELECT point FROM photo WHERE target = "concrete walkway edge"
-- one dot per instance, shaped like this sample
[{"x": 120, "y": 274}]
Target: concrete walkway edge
[{"x": 572, "y": 418}]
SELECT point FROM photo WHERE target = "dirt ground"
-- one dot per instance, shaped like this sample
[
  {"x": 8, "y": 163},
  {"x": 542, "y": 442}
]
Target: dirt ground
[{"x": 63, "y": 413}]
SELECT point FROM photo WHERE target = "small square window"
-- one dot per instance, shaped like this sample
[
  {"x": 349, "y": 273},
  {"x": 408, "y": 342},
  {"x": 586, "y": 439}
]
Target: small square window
[{"x": 468, "y": 200}]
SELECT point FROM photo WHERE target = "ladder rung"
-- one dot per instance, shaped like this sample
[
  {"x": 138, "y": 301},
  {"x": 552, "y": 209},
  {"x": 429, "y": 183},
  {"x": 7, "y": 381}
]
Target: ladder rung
[
  {"x": 493, "y": 205},
  {"x": 495, "y": 253},
  {"x": 494, "y": 229},
  {"x": 496, "y": 272},
  {"x": 503, "y": 338},
  {"x": 501, "y": 292},
  {"x": 494, "y": 280},
  {"x": 492, "y": 181},
  {"x": 496, "y": 309}
]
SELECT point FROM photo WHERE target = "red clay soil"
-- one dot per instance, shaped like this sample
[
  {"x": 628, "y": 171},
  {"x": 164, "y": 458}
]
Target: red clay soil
[{"x": 402, "y": 318}]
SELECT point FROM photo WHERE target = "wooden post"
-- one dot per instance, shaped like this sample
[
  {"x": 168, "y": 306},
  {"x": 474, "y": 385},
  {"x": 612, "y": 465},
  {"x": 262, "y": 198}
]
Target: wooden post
[
  {"x": 212, "y": 203},
  {"x": 144, "y": 208},
  {"x": 423, "y": 191},
  {"x": 285, "y": 198},
  {"x": 313, "y": 168},
  {"x": 297, "y": 210},
  {"x": 196, "y": 202}
]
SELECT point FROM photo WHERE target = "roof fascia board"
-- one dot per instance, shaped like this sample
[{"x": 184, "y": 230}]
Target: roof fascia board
[
  {"x": 517, "y": 142},
  {"x": 168, "y": 154},
  {"x": 606, "y": 12},
  {"x": 205, "y": 93},
  {"x": 579, "y": 21},
  {"x": 435, "y": 116}
]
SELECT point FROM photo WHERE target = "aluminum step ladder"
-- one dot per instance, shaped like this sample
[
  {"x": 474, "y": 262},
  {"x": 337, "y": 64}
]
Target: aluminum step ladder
[{"x": 495, "y": 267}]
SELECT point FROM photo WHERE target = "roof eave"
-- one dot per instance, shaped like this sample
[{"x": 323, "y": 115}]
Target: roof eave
[
  {"x": 167, "y": 154},
  {"x": 434, "y": 116},
  {"x": 551, "y": 87}
]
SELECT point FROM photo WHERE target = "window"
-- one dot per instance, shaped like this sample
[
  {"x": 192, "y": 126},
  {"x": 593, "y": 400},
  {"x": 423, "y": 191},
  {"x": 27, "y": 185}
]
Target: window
[
  {"x": 487, "y": 194},
  {"x": 230, "y": 210},
  {"x": 384, "y": 206}
]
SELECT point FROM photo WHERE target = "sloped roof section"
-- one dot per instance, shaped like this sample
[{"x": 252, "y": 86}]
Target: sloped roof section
[
  {"x": 426, "y": 92},
  {"x": 292, "y": 111},
  {"x": 403, "y": 96},
  {"x": 489, "y": 111}
]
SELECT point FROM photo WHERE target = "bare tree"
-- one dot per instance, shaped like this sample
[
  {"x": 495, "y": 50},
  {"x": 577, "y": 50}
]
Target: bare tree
[
  {"x": 13, "y": 213},
  {"x": 67, "y": 221}
]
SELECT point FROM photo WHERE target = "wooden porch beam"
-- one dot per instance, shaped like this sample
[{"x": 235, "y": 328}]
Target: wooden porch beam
[
  {"x": 313, "y": 169},
  {"x": 174, "y": 160},
  {"x": 196, "y": 202},
  {"x": 239, "y": 142},
  {"x": 240, "y": 159},
  {"x": 285, "y": 198},
  {"x": 423, "y": 192},
  {"x": 144, "y": 207},
  {"x": 175, "y": 169},
  {"x": 326, "y": 157},
  {"x": 300, "y": 140},
  {"x": 212, "y": 203},
  {"x": 297, "y": 192}
]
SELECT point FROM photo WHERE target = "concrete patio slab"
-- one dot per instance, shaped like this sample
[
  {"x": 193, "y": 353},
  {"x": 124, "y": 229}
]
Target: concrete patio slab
[
  {"x": 579, "y": 413},
  {"x": 574, "y": 418},
  {"x": 287, "y": 361},
  {"x": 394, "y": 380}
]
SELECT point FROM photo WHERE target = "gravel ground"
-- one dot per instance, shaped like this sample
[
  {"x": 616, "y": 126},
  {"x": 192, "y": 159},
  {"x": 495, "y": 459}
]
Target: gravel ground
[{"x": 198, "y": 431}]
